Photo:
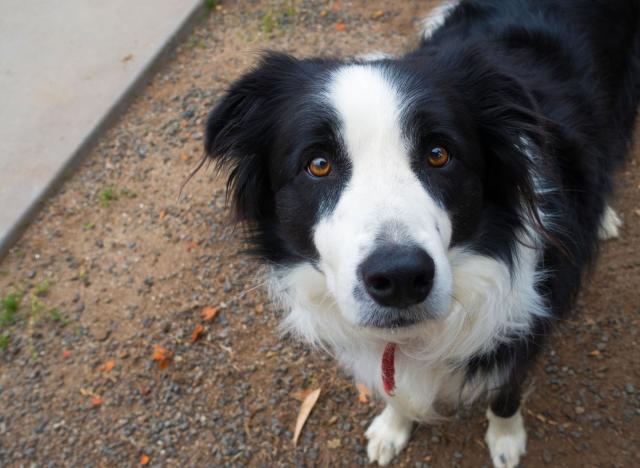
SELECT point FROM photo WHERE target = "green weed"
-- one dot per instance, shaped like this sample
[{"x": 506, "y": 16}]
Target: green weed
[
  {"x": 5, "y": 339},
  {"x": 107, "y": 195},
  {"x": 42, "y": 289},
  {"x": 9, "y": 308}
]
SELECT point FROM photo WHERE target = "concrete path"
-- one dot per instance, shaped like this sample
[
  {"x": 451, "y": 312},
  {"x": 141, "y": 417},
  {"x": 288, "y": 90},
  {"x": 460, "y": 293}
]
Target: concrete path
[{"x": 65, "y": 69}]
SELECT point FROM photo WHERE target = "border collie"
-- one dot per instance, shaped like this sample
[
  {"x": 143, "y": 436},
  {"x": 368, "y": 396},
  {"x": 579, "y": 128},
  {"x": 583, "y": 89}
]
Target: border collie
[{"x": 429, "y": 217}]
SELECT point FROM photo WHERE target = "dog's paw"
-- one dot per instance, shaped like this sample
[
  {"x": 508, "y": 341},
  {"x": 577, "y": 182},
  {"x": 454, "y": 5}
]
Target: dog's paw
[
  {"x": 388, "y": 434},
  {"x": 507, "y": 440},
  {"x": 609, "y": 224}
]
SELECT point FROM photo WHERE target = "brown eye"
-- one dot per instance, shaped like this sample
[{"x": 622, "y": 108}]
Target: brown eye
[
  {"x": 438, "y": 157},
  {"x": 319, "y": 167}
]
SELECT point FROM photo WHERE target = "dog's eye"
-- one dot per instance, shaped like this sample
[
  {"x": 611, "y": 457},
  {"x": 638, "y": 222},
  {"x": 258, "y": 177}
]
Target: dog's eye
[
  {"x": 438, "y": 156},
  {"x": 319, "y": 167}
]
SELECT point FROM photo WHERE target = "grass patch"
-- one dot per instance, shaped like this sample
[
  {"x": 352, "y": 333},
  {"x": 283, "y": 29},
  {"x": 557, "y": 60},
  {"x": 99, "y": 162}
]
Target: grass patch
[
  {"x": 88, "y": 226},
  {"x": 268, "y": 22},
  {"x": 5, "y": 339},
  {"x": 107, "y": 195},
  {"x": 211, "y": 5},
  {"x": 55, "y": 314},
  {"x": 36, "y": 306},
  {"x": 9, "y": 308},
  {"x": 42, "y": 289}
]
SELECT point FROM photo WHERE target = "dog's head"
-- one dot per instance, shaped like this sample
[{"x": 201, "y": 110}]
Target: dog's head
[{"x": 371, "y": 172}]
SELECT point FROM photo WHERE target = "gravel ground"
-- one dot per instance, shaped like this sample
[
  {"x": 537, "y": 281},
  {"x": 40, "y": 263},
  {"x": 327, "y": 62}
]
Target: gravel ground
[{"x": 119, "y": 262}]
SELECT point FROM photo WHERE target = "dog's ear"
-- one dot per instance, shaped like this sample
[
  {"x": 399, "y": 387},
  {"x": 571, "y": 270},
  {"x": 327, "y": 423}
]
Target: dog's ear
[
  {"x": 240, "y": 132},
  {"x": 512, "y": 130}
]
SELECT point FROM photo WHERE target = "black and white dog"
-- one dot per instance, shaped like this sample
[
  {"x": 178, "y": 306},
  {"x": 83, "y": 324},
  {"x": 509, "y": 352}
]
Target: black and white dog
[{"x": 429, "y": 217}]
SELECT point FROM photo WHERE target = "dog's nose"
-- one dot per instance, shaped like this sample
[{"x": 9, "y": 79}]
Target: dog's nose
[{"x": 398, "y": 275}]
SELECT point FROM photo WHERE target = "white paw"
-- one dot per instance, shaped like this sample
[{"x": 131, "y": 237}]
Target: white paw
[
  {"x": 610, "y": 224},
  {"x": 388, "y": 434},
  {"x": 507, "y": 439}
]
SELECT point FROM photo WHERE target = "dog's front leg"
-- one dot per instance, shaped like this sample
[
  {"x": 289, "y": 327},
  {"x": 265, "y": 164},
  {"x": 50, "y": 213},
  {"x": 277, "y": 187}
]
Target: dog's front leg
[
  {"x": 388, "y": 434},
  {"x": 506, "y": 436}
]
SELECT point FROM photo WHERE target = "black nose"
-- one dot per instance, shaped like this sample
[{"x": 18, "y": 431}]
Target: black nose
[{"x": 398, "y": 275}]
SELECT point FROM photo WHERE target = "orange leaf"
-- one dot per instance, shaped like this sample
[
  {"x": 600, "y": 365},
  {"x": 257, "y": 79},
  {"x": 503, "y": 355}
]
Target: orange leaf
[
  {"x": 209, "y": 313},
  {"x": 192, "y": 245},
  {"x": 259, "y": 308},
  {"x": 341, "y": 27},
  {"x": 163, "y": 214},
  {"x": 144, "y": 459},
  {"x": 109, "y": 365},
  {"x": 66, "y": 353},
  {"x": 96, "y": 400},
  {"x": 195, "y": 335},
  {"x": 363, "y": 393},
  {"x": 162, "y": 355},
  {"x": 184, "y": 156},
  {"x": 377, "y": 14},
  {"x": 305, "y": 410},
  {"x": 594, "y": 353}
]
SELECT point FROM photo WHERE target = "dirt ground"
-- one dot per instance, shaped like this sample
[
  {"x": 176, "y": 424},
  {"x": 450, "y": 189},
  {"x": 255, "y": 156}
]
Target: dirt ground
[{"x": 118, "y": 263}]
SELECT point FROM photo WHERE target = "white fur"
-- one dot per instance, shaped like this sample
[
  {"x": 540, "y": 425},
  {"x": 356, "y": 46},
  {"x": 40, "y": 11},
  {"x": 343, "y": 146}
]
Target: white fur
[
  {"x": 437, "y": 18},
  {"x": 374, "y": 56},
  {"x": 388, "y": 434},
  {"x": 489, "y": 305},
  {"x": 610, "y": 224},
  {"x": 506, "y": 439},
  {"x": 374, "y": 202}
]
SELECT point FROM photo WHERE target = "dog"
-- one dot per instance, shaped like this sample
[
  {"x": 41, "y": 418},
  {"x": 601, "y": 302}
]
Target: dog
[{"x": 429, "y": 217}]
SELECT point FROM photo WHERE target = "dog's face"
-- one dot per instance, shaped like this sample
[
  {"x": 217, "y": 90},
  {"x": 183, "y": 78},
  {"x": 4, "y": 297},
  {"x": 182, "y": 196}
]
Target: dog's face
[{"x": 369, "y": 172}]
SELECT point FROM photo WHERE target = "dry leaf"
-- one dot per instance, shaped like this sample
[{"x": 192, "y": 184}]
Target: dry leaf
[
  {"x": 301, "y": 394},
  {"x": 184, "y": 156},
  {"x": 363, "y": 393},
  {"x": 109, "y": 365},
  {"x": 334, "y": 443},
  {"x": 96, "y": 400},
  {"x": 127, "y": 57},
  {"x": 192, "y": 245},
  {"x": 377, "y": 14},
  {"x": 66, "y": 353},
  {"x": 144, "y": 459},
  {"x": 341, "y": 27},
  {"x": 195, "y": 335},
  {"x": 163, "y": 214},
  {"x": 594, "y": 353},
  {"x": 259, "y": 308},
  {"x": 162, "y": 355},
  {"x": 305, "y": 410},
  {"x": 209, "y": 313}
]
